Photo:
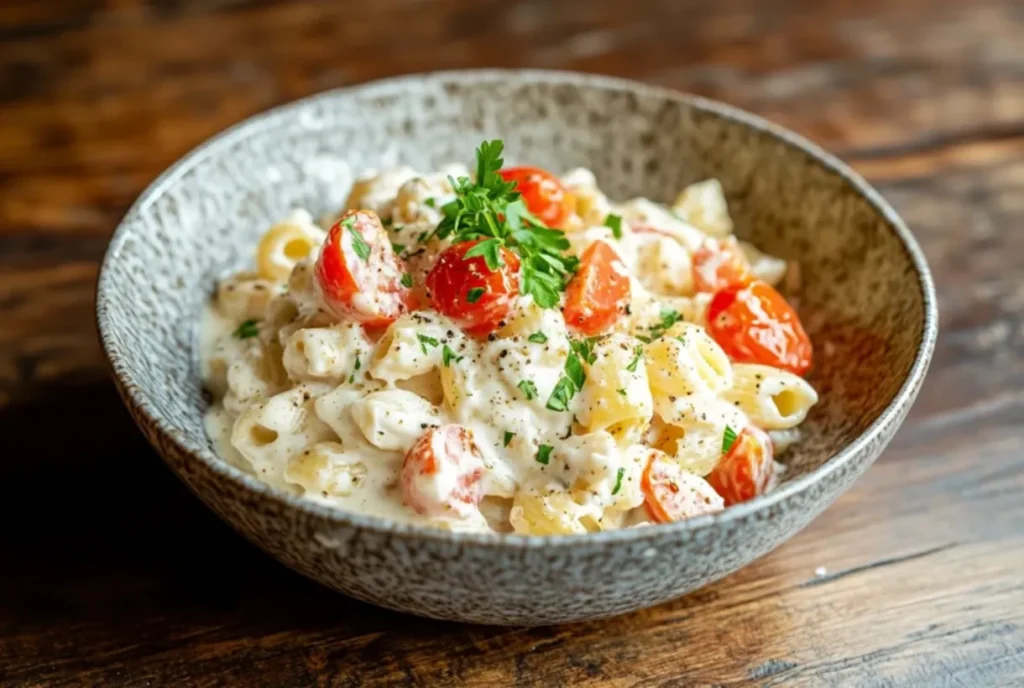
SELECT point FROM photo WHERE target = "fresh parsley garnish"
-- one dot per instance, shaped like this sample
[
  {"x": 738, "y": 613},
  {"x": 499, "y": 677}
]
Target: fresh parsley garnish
[
  {"x": 618, "y": 481},
  {"x": 447, "y": 356},
  {"x": 474, "y": 294},
  {"x": 544, "y": 454},
  {"x": 430, "y": 202},
  {"x": 621, "y": 390},
  {"x": 668, "y": 318},
  {"x": 425, "y": 340},
  {"x": 508, "y": 437},
  {"x": 359, "y": 244},
  {"x": 406, "y": 279},
  {"x": 728, "y": 439},
  {"x": 615, "y": 223},
  {"x": 529, "y": 389},
  {"x": 638, "y": 353},
  {"x": 250, "y": 328},
  {"x": 387, "y": 222},
  {"x": 491, "y": 209},
  {"x": 421, "y": 237},
  {"x": 573, "y": 375},
  {"x": 398, "y": 248}
]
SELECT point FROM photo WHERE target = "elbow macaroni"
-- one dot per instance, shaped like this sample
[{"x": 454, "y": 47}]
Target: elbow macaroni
[{"x": 333, "y": 411}]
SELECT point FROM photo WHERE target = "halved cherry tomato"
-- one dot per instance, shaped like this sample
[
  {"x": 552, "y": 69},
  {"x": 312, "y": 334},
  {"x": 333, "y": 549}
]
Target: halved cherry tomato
[
  {"x": 442, "y": 471},
  {"x": 747, "y": 469},
  {"x": 672, "y": 494},
  {"x": 543, "y": 194},
  {"x": 718, "y": 265},
  {"x": 599, "y": 291},
  {"x": 754, "y": 324},
  {"x": 469, "y": 292},
  {"x": 359, "y": 275}
]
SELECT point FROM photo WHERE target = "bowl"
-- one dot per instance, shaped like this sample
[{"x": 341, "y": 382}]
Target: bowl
[{"x": 867, "y": 300}]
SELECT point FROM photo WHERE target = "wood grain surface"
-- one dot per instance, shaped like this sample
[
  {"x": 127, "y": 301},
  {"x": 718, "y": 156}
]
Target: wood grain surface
[{"x": 111, "y": 573}]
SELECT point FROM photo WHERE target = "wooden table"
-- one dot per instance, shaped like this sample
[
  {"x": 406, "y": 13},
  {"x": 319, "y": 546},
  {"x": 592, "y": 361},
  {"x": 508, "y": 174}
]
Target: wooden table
[{"x": 112, "y": 573}]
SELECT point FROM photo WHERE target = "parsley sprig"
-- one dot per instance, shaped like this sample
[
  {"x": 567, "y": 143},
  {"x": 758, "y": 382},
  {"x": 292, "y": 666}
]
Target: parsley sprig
[
  {"x": 573, "y": 375},
  {"x": 490, "y": 209}
]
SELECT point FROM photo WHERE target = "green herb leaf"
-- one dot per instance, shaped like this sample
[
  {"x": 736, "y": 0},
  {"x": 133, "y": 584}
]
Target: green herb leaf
[
  {"x": 359, "y": 244},
  {"x": 398, "y": 248},
  {"x": 538, "y": 338},
  {"x": 425, "y": 340},
  {"x": 669, "y": 317},
  {"x": 621, "y": 390},
  {"x": 618, "y": 481},
  {"x": 447, "y": 356},
  {"x": 638, "y": 353},
  {"x": 474, "y": 294},
  {"x": 574, "y": 370},
  {"x": 544, "y": 454},
  {"x": 508, "y": 437},
  {"x": 406, "y": 279},
  {"x": 561, "y": 395},
  {"x": 615, "y": 223},
  {"x": 728, "y": 439},
  {"x": 250, "y": 328},
  {"x": 387, "y": 222},
  {"x": 491, "y": 252},
  {"x": 430, "y": 203},
  {"x": 529, "y": 389}
]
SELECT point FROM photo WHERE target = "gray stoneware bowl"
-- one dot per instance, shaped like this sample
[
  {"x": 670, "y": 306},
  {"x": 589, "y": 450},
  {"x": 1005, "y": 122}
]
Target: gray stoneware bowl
[{"x": 867, "y": 300}]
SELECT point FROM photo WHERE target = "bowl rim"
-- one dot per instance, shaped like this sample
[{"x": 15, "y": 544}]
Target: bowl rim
[{"x": 198, "y": 449}]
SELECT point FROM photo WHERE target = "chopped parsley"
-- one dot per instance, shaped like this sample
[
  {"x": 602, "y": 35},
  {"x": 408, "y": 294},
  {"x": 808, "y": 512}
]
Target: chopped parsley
[
  {"x": 728, "y": 439},
  {"x": 447, "y": 356},
  {"x": 621, "y": 390},
  {"x": 508, "y": 437},
  {"x": 491, "y": 209},
  {"x": 638, "y": 353},
  {"x": 430, "y": 202},
  {"x": 474, "y": 294},
  {"x": 529, "y": 389},
  {"x": 406, "y": 279},
  {"x": 425, "y": 340},
  {"x": 574, "y": 375},
  {"x": 544, "y": 454},
  {"x": 250, "y": 328},
  {"x": 398, "y": 248},
  {"x": 357, "y": 366},
  {"x": 615, "y": 223},
  {"x": 669, "y": 317},
  {"x": 359, "y": 244},
  {"x": 538, "y": 338},
  {"x": 387, "y": 222},
  {"x": 422, "y": 237},
  {"x": 618, "y": 481}
]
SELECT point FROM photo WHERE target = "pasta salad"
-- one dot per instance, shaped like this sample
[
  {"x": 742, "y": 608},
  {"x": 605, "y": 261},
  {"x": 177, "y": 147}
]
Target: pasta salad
[{"x": 508, "y": 351}]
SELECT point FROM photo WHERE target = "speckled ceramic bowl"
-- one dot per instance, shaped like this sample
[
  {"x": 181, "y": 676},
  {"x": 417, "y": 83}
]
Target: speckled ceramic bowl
[{"x": 867, "y": 300}]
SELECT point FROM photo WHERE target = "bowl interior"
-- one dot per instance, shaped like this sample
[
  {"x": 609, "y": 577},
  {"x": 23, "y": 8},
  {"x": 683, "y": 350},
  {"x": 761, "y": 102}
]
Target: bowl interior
[{"x": 861, "y": 297}]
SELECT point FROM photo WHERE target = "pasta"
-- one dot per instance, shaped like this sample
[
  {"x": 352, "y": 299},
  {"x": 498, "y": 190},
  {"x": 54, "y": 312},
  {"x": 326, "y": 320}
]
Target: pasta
[{"x": 437, "y": 353}]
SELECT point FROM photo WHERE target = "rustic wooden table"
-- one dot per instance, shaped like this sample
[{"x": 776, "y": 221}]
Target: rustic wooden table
[{"x": 112, "y": 573}]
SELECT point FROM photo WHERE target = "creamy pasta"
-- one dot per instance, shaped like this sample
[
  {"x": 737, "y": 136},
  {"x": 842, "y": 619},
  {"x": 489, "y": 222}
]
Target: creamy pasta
[{"x": 508, "y": 352}]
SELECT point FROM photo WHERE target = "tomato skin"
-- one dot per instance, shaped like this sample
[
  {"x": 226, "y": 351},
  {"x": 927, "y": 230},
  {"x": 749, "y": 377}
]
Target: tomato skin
[
  {"x": 599, "y": 291},
  {"x": 441, "y": 473},
  {"x": 719, "y": 265},
  {"x": 453, "y": 277},
  {"x": 754, "y": 324},
  {"x": 342, "y": 275},
  {"x": 543, "y": 194},
  {"x": 747, "y": 469},
  {"x": 672, "y": 494}
]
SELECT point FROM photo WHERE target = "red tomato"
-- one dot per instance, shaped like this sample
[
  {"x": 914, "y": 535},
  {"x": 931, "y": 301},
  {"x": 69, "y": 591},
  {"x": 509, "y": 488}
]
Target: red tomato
[
  {"x": 441, "y": 473},
  {"x": 719, "y": 264},
  {"x": 599, "y": 291},
  {"x": 672, "y": 494},
  {"x": 543, "y": 194},
  {"x": 754, "y": 324},
  {"x": 468, "y": 292},
  {"x": 747, "y": 469},
  {"x": 359, "y": 275}
]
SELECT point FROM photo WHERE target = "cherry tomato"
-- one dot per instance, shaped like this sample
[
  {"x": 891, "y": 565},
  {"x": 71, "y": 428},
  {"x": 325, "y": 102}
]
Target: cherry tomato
[
  {"x": 672, "y": 494},
  {"x": 747, "y": 469},
  {"x": 754, "y": 324},
  {"x": 469, "y": 292},
  {"x": 358, "y": 273},
  {"x": 718, "y": 265},
  {"x": 441, "y": 473},
  {"x": 543, "y": 194},
  {"x": 599, "y": 291}
]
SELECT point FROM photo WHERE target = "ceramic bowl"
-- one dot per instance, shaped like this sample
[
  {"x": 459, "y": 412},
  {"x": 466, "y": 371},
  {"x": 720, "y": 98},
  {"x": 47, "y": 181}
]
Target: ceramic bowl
[{"x": 867, "y": 300}]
